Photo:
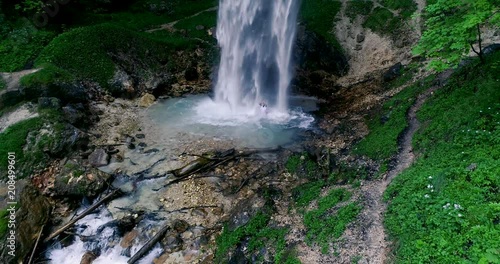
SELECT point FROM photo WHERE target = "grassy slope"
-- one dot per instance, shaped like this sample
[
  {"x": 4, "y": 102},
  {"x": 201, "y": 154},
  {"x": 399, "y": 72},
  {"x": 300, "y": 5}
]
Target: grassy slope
[
  {"x": 389, "y": 122},
  {"x": 446, "y": 207}
]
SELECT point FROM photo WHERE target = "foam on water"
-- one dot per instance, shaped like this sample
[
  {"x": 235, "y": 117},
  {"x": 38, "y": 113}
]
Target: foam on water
[
  {"x": 105, "y": 240},
  {"x": 200, "y": 115}
]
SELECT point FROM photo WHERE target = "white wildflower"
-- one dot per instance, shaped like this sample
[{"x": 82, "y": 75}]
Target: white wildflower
[{"x": 427, "y": 196}]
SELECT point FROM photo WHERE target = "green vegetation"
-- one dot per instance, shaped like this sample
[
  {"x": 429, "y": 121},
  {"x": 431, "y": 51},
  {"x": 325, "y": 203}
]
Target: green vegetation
[
  {"x": 323, "y": 228},
  {"x": 452, "y": 28},
  {"x": 405, "y": 7},
  {"x": 3, "y": 222},
  {"x": 47, "y": 75},
  {"x": 303, "y": 165},
  {"x": 319, "y": 16},
  {"x": 358, "y": 7},
  {"x": 382, "y": 20},
  {"x": 85, "y": 52},
  {"x": 387, "y": 124},
  {"x": 13, "y": 140},
  {"x": 445, "y": 208},
  {"x": 259, "y": 234},
  {"x": 205, "y": 19},
  {"x": 308, "y": 192},
  {"x": 21, "y": 46}
]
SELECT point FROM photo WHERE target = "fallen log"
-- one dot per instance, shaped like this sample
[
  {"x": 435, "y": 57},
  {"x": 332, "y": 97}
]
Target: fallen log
[
  {"x": 147, "y": 247},
  {"x": 82, "y": 215}
]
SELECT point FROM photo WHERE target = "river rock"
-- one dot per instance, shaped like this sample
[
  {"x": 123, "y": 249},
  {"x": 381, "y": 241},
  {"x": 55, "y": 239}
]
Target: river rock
[
  {"x": 74, "y": 114},
  {"x": 244, "y": 211},
  {"x": 172, "y": 243},
  {"x": 121, "y": 85},
  {"x": 360, "y": 37},
  {"x": 99, "y": 158},
  {"x": 75, "y": 180},
  {"x": 88, "y": 258},
  {"x": 147, "y": 100},
  {"x": 180, "y": 226},
  {"x": 393, "y": 72}
]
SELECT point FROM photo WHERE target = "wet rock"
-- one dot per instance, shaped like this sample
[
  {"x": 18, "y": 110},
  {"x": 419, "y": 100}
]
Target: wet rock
[
  {"x": 199, "y": 242},
  {"x": 49, "y": 103},
  {"x": 147, "y": 100},
  {"x": 172, "y": 243},
  {"x": 199, "y": 212},
  {"x": 131, "y": 146},
  {"x": 121, "y": 85},
  {"x": 472, "y": 167},
  {"x": 142, "y": 145},
  {"x": 244, "y": 211},
  {"x": 180, "y": 226},
  {"x": 393, "y": 72},
  {"x": 140, "y": 136},
  {"x": 99, "y": 158},
  {"x": 358, "y": 47},
  {"x": 128, "y": 239},
  {"x": 75, "y": 180},
  {"x": 153, "y": 150},
  {"x": 360, "y": 37},
  {"x": 32, "y": 215},
  {"x": 88, "y": 258},
  {"x": 491, "y": 48},
  {"x": 74, "y": 114}
]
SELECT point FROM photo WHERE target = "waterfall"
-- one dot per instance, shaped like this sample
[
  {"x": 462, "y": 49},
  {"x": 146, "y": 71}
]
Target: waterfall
[{"x": 256, "y": 39}]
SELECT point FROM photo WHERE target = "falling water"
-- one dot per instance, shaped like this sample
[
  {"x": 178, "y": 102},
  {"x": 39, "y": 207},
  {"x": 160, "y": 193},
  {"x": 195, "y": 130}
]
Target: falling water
[{"x": 256, "y": 39}]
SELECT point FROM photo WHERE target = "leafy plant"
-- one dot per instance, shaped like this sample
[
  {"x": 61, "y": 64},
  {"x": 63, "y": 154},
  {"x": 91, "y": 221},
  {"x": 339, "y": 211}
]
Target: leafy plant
[{"x": 453, "y": 27}]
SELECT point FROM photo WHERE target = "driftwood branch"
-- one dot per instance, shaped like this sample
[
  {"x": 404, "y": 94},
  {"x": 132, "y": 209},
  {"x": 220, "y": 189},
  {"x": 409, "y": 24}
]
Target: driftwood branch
[
  {"x": 206, "y": 162},
  {"x": 147, "y": 247},
  {"x": 36, "y": 244},
  {"x": 82, "y": 215}
]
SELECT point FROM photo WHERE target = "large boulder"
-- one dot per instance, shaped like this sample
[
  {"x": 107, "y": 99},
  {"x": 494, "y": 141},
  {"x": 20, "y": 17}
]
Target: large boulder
[
  {"x": 75, "y": 180},
  {"x": 393, "y": 72},
  {"x": 99, "y": 158},
  {"x": 32, "y": 215}
]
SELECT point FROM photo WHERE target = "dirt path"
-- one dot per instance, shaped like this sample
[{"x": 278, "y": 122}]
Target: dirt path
[
  {"x": 366, "y": 239},
  {"x": 12, "y": 78}
]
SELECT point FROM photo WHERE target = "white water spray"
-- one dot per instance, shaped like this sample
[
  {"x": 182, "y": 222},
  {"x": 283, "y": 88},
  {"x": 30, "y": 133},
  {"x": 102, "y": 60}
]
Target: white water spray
[{"x": 256, "y": 39}]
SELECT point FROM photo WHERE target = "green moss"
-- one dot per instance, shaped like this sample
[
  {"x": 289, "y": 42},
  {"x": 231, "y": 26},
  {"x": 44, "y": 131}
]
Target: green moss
[
  {"x": 306, "y": 193},
  {"x": 205, "y": 19},
  {"x": 47, "y": 75},
  {"x": 322, "y": 227},
  {"x": 445, "y": 208},
  {"x": 85, "y": 52},
  {"x": 3, "y": 222},
  {"x": 382, "y": 21},
  {"x": 13, "y": 140},
  {"x": 319, "y": 16},
  {"x": 405, "y": 7},
  {"x": 358, "y": 7},
  {"x": 21, "y": 46},
  {"x": 293, "y": 163},
  {"x": 387, "y": 124}
]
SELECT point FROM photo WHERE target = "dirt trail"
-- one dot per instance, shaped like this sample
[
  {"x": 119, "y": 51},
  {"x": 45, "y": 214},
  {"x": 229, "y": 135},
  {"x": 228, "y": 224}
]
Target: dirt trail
[
  {"x": 12, "y": 78},
  {"x": 367, "y": 238}
]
